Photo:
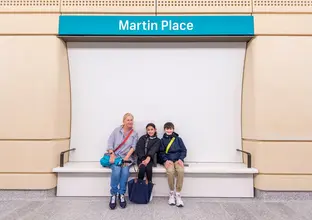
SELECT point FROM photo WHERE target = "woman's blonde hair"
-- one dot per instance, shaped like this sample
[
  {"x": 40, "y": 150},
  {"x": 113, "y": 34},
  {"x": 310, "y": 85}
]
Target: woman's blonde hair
[{"x": 127, "y": 115}]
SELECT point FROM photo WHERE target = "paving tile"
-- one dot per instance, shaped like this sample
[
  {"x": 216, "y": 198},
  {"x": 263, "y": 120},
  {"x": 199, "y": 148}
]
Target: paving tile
[
  {"x": 135, "y": 211},
  {"x": 7, "y": 207},
  {"x": 259, "y": 210},
  {"x": 163, "y": 211},
  {"x": 27, "y": 209},
  {"x": 214, "y": 211},
  {"x": 237, "y": 211},
  {"x": 74, "y": 209},
  {"x": 284, "y": 212},
  {"x": 301, "y": 208},
  {"x": 49, "y": 208}
]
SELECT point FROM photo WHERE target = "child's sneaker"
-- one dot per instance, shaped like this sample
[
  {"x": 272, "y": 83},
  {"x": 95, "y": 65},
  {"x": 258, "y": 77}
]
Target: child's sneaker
[
  {"x": 179, "y": 200},
  {"x": 171, "y": 200}
]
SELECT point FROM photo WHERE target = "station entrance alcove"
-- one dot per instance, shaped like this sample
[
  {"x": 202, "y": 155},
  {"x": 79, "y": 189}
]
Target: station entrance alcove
[{"x": 193, "y": 81}]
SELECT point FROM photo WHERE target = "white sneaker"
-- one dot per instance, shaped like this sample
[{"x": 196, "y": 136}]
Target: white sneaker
[
  {"x": 179, "y": 200},
  {"x": 171, "y": 200}
]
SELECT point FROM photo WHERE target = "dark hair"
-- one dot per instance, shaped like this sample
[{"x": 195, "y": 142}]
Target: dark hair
[
  {"x": 169, "y": 125},
  {"x": 151, "y": 125}
]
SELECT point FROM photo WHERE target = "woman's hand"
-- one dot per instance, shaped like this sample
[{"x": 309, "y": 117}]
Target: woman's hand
[
  {"x": 168, "y": 163},
  {"x": 112, "y": 158},
  {"x": 126, "y": 158},
  {"x": 128, "y": 155},
  {"x": 180, "y": 162}
]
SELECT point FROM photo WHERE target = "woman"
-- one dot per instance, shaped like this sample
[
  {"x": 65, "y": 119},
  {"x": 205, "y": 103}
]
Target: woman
[
  {"x": 147, "y": 146},
  {"x": 125, "y": 136}
]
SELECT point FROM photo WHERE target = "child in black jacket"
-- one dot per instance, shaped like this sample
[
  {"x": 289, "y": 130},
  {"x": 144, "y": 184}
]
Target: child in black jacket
[{"x": 147, "y": 146}]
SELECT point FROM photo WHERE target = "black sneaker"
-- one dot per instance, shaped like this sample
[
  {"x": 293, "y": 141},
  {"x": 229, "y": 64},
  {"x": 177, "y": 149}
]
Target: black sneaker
[
  {"x": 112, "y": 202},
  {"x": 122, "y": 201}
]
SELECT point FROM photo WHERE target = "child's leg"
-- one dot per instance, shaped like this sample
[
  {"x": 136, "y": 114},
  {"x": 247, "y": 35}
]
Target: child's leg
[
  {"x": 149, "y": 171},
  {"x": 141, "y": 174},
  {"x": 180, "y": 176},
  {"x": 171, "y": 175}
]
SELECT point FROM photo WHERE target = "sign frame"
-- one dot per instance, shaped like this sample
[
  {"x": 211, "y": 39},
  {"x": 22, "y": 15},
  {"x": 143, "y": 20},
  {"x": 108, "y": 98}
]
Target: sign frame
[{"x": 161, "y": 26}]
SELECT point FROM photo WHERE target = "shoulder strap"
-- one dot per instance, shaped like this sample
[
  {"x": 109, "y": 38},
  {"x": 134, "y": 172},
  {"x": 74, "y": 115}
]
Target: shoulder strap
[
  {"x": 146, "y": 145},
  {"x": 124, "y": 141},
  {"x": 169, "y": 145}
]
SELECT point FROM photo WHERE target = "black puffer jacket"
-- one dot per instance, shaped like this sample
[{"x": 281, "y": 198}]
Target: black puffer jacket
[{"x": 147, "y": 146}]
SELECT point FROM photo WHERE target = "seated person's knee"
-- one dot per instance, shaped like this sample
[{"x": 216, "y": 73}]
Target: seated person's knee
[
  {"x": 180, "y": 170},
  {"x": 170, "y": 170}
]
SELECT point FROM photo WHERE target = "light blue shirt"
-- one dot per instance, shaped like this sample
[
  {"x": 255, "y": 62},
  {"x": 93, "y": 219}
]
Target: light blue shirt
[{"x": 117, "y": 137}]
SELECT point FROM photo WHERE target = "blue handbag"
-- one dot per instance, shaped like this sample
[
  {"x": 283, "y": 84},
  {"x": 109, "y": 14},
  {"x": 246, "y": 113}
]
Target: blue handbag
[
  {"x": 105, "y": 161},
  {"x": 140, "y": 191}
]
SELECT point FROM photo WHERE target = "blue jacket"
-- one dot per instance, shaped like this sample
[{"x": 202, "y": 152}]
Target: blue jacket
[{"x": 177, "y": 150}]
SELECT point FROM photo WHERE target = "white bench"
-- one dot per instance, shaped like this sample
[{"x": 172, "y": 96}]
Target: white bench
[{"x": 201, "y": 180}]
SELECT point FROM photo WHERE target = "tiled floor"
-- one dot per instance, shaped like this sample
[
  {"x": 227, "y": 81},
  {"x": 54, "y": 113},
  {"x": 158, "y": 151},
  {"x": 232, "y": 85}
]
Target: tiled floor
[{"x": 195, "y": 209}]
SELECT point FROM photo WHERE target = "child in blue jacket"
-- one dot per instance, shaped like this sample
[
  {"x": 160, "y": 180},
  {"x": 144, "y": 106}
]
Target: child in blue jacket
[{"x": 172, "y": 153}]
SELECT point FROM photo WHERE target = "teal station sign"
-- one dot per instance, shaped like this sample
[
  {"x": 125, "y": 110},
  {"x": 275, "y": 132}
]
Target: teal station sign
[{"x": 77, "y": 25}]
